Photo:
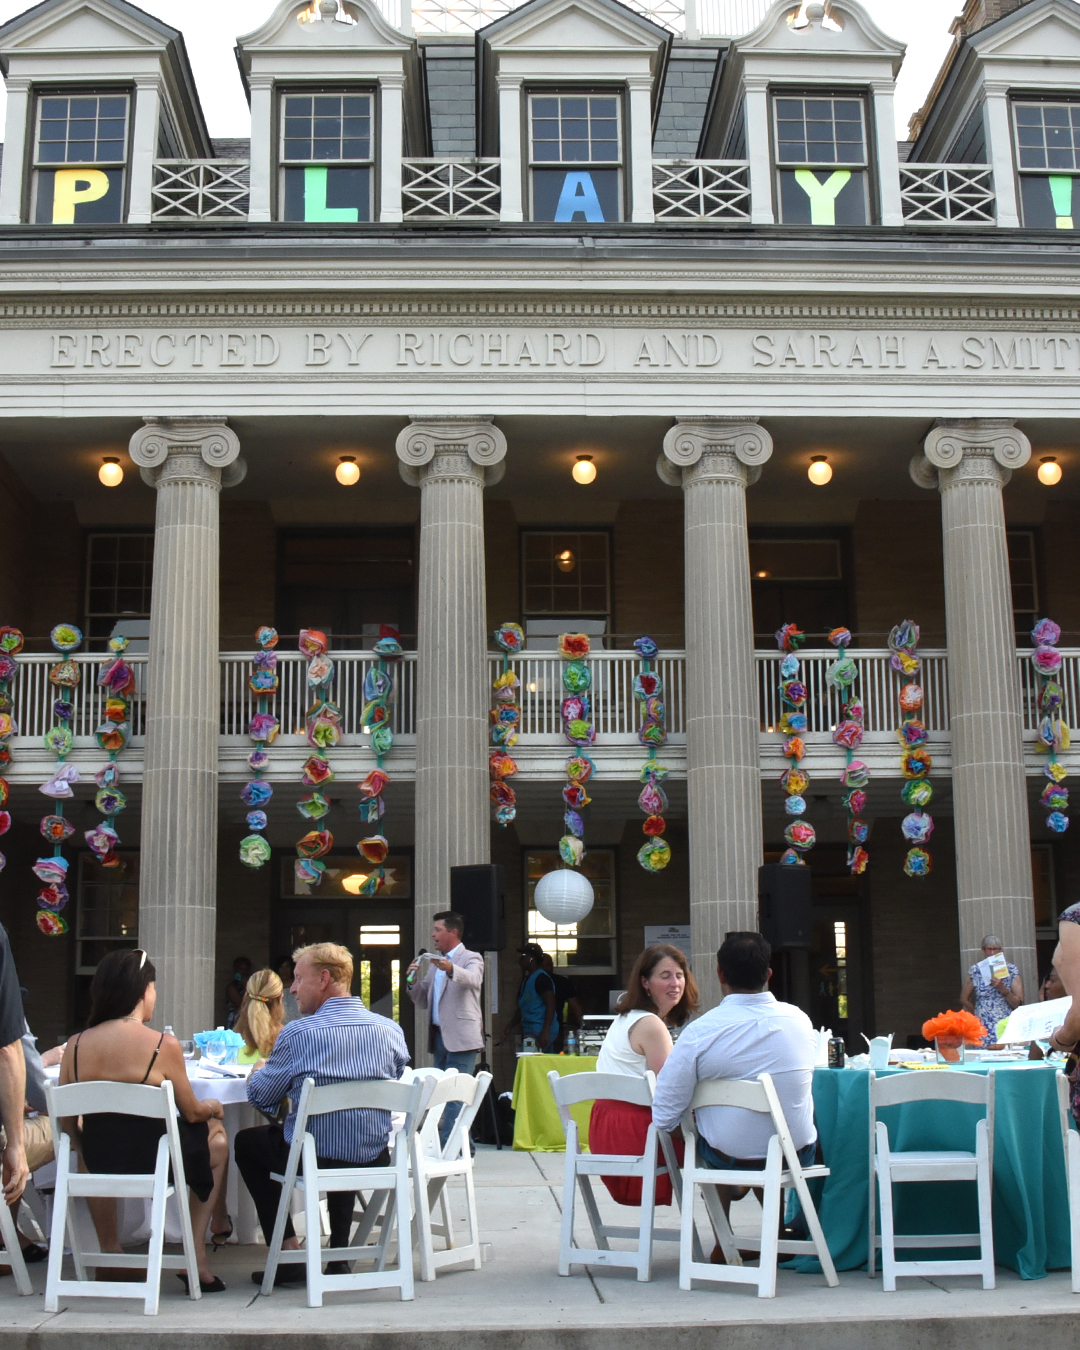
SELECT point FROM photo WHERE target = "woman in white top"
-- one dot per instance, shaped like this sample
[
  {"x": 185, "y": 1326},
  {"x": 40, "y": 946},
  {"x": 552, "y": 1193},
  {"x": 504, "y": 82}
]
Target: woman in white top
[{"x": 661, "y": 992}]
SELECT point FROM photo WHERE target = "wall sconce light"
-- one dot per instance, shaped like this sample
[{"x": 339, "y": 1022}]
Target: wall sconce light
[
  {"x": 112, "y": 475},
  {"x": 348, "y": 471},
  {"x": 1049, "y": 470},
  {"x": 584, "y": 470},
  {"x": 820, "y": 470},
  {"x": 565, "y": 561}
]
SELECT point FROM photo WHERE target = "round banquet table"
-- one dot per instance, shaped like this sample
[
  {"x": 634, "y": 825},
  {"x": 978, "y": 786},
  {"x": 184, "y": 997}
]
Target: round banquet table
[
  {"x": 1030, "y": 1199},
  {"x": 537, "y": 1127}
]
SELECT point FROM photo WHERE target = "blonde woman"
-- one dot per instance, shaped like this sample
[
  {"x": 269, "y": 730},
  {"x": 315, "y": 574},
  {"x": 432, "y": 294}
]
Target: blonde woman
[{"x": 261, "y": 1016}]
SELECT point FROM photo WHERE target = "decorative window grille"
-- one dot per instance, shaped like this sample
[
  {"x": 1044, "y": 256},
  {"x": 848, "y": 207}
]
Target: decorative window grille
[
  {"x": 947, "y": 193},
  {"x": 201, "y": 189},
  {"x": 450, "y": 189},
  {"x": 701, "y": 190}
]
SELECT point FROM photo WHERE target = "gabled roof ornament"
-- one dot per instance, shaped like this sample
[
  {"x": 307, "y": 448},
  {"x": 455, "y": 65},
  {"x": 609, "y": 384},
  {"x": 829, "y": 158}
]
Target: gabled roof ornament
[
  {"x": 811, "y": 11},
  {"x": 318, "y": 8}
]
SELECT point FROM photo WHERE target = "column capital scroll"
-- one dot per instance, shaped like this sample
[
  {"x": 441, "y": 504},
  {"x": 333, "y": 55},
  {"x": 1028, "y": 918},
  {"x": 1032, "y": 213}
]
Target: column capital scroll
[
  {"x": 980, "y": 449},
  {"x": 425, "y": 437},
  {"x": 737, "y": 438},
  {"x": 194, "y": 438}
]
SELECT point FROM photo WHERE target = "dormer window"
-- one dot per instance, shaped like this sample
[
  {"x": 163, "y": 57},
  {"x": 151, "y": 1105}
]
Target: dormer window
[
  {"x": 80, "y": 157},
  {"x": 821, "y": 159},
  {"x": 1048, "y": 158},
  {"x": 326, "y": 156},
  {"x": 575, "y": 157}
]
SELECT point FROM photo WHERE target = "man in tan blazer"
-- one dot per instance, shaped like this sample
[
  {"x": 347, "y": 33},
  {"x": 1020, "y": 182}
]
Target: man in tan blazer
[{"x": 450, "y": 992}]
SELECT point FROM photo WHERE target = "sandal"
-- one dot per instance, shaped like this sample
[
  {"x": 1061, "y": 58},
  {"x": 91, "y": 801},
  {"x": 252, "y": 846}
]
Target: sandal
[{"x": 218, "y": 1240}]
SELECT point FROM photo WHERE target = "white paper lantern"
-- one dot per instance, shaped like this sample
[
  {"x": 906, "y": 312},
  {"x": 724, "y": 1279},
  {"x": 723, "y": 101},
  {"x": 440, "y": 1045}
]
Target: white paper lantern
[{"x": 564, "y": 897}]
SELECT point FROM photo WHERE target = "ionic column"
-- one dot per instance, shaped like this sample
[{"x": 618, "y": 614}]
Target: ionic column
[
  {"x": 451, "y": 460},
  {"x": 970, "y": 462},
  {"x": 188, "y": 461},
  {"x": 714, "y": 460}
]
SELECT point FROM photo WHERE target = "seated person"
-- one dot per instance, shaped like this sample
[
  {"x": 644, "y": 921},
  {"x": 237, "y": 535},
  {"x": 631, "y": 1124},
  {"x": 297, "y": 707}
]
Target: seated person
[
  {"x": 117, "y": 1046},
  {"x": 261, "y": 1016},
  {"x": 661, "y": 992},
  {"x": 1051, "y": 987},
  {"x": 747, "y": 1034},
  {"x": 335, "y": 1040}
]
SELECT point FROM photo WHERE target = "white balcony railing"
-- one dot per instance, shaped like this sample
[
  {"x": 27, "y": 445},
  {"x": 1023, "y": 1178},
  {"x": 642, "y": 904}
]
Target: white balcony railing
[
  {"x": 701, "y": 189},
  {"x": 33, "y": 696},
  {"x": 450, "y": 189},
  {"x": 947, "y": 194},
  {"x": 201, "y": 189}
]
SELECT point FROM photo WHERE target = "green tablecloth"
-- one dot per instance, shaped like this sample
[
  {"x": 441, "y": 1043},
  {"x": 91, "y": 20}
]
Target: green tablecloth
[
  {"x": 1030, "y": 1205},
  {"x": 537, "y": 1128}
]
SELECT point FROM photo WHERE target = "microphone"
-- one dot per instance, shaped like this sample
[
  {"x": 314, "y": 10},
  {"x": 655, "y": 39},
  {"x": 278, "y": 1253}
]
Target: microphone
[{"x": 410, "y": 978}]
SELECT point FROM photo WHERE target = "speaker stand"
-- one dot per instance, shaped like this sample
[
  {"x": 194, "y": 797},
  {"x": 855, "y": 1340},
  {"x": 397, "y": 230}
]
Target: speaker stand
[{"x": 484, "y": 1066}]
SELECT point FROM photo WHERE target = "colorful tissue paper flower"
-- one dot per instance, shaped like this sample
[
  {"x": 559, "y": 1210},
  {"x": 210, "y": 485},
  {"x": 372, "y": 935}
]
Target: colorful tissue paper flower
[
  {"x": 652, "y": 800},
  {"x": 858, "y": 831},
  {"x": 848, "y": 735},
  {"x": 915, "y": 763},
  {"x": 1055, "y": 771},
  {"x": 574, "y": 823},
  {"x": 855, "y": 803},
  {"x": 789, "y": 667},
  {"x": 1046, "y": 633},
  {"x": 648, "y": 684},
  {"x": 266, "y": 637},
  {"x": 579, "y": 768},
  {"x": 574, "y": 795},
  {"x": 313, "y": 807},
  {"x": 63, "y": 710},
  {"x": 574, "y": 646},
  {"x": 905, "y": 663},
  {"x": 374, "y": 784},
  {"x": 376, "y": 684},
  {"x": 855, "y": 774},
  {"x": 323, "y": 732},
  {"x": 654, "y": 855},
  {"x": 5, "y": 792},
  {"x": 374, "y": 849},
  {"x": 264, "y": 727},
  {"x": 501, "y": 766},
  {"x": 315, "y": 770},
  {"x": 101, "y": 840},
  {"x": 117, "y": 677},
  {"x": 1047, "y": 660},
  {"x": 382, "y": 740},
  {"x": 576, "y": 677},
  {"x": 315, "y": 844},
  {"x": 653, "y": 709},
  {"x": 652, "y": 735},
  {"x": 842, "y": 673},
  {"x": 258, "y": 760},
  {"x": 5, "y": 822},
  {"x": 792, "y": 723},
  {"x": 308, "y": 871},
  {"x": 1058, "y": 822},
  {"x": 506, "y": 687},
  {"x": 109, "y": 801},
  {"x": 917, "y": 863},
  {"x": 256, "y": 792},
  {"x": 1051, "y": 696},
  {"x": 794, "y": 748},
  {"x": 857, "y": 861},
  {"x": 793, "y": 692},
  {"x": 11, "y": 641},
  {"x": 264, "y": 661},
  {"x": 52, "y": 925},
  {"x": 320, "y": 671},
  {"x": 652, "y": 771},
  {"x": 502, "y": 794},
  {"x": 312, "y": 642},
  {"x": 112, "y": 737},
  {"x": 60, "y": 785},
  {"x": 1055, "y": 797},
  {"x": 575, "y": 706},
  {"x": 795, "y": 806},
  {"x": 790, "y": 638},
  {"x": 1052, "y": 733},
  {"x": 54, "y": 898},
  {"x": 116, "y": 710},
  {"x": 654, "y": 826},
  {"x": 56, "y": 829},
  {"x": 962, "y": 1025},
  {"x": 52, "y": 871},
  {"x": 911, "y": 698},
  {"x": 840, "y": 637},
  {"x": 917, "y": 793},
  {"x": 9, "y": 668},
  {"x": 801, "y": 835},
  {"x": 795, "y": 781},
  {"x": 911, "y": 733},
  {"x": 571, "y": 850},
  {"x": 65, "y": 674},
  {"x": 904, "y": 637},
  {"x": 7, "y": 727},
  {"x": 646, "y": 648},
  {"x": 372, "y": 811},
  {"x": 256, "y": 820},
  {"x": 504, "y": 736},
  {"x": 263, "y": 682},
  {"x": 389, "y": 648},
  {"x": 789, "y": 858},
  {"x": 254, "y": 851},
  {"x": 65, "y": 637},
  {"x": 918, "y": 827},
  {"x": 510, "y": 637},
  {"x": 505, "y": 814}
]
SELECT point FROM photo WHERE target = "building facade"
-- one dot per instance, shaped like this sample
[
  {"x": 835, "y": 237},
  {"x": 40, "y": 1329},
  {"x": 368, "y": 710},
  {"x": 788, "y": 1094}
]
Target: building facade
[{"x": 822, "y": 374}]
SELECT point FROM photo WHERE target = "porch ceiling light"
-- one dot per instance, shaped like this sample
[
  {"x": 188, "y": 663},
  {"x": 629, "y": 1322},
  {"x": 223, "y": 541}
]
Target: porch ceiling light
[
  {"x": 584, "y": 470},
  {"x": 348, "y": 471},
  {"x": 1049, "y": 470},
  {"x": 565, "y": 561},
  {"x": 820, "y": 470},
  {"x": 352, "y": 884},
  {"x": 112, "y": 475}
]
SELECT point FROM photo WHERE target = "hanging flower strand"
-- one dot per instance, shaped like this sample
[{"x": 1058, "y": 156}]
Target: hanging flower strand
[
  {"x": 378, "y": 688},
  {"x": 579, "y": 731},
  {"x": 118, "y": 680},
  {"x": 505, "y": 721},
  {"x": 323, "y": 730},
  {"x": 1053, "y": 734},
  {"x": 848, "y": 735},
  {"x": 655, "y": 854},
  {"x": 52, "y": 871},
  {"x": 11, "y": 644},
  {"x": 800, "y": 835},
  {"x": 262, "y": 729},
  {"x": 915, "y": 762}
]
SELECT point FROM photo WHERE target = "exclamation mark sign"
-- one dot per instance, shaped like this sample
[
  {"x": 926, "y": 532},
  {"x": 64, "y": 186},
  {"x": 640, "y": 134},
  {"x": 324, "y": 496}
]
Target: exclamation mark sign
[{"x": 1061, "y": 191}]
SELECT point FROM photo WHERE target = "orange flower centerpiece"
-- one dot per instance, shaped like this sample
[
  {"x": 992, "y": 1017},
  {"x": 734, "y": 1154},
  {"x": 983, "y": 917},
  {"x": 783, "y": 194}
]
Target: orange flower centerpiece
[{"x": 951, "y": 1032}]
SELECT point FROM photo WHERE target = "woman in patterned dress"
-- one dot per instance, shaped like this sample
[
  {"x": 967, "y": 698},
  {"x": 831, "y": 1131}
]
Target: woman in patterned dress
[
  {"x": 991, "y": 1000},
  {"x": 1067, "y": 965}
]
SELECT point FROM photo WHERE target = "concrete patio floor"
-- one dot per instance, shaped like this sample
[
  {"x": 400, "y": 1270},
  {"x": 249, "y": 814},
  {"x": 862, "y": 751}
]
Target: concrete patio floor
[{"x": 518, "y": 1301}]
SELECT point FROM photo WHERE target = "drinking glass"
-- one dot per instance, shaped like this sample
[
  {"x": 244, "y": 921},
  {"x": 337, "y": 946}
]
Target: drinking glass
[{"x": 215, "y": 1050}]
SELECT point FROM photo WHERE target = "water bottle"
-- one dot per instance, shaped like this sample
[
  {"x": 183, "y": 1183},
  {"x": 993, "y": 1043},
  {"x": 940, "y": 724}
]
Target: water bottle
[
  {"x": 169, "y": 1031},
  {"x": 571, "y": 1043}
]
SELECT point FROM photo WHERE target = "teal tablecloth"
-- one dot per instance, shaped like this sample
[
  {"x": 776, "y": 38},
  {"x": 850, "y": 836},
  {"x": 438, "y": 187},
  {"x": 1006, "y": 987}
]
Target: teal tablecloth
[{"x": 1030, "y": 1204}]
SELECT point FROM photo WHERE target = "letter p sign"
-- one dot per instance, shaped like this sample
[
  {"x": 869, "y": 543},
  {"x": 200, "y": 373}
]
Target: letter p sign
[{"x": 74, "y": 186}]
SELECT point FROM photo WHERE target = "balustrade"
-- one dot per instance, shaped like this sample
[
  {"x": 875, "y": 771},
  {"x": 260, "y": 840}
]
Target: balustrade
[
  {"x": 947, "y": 194},
  {"x": 198, "y": 190}
]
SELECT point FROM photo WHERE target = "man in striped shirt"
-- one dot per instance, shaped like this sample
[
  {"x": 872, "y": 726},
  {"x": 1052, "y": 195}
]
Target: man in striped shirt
[{"x": 335, "y": 1040}]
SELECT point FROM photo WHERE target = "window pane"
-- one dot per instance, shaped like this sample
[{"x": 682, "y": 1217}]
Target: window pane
[
  {"x": 87, "y": 129},
  {"x": 575, "y": 129},
  {"x": 557, "y": 578},
  {"x": 324, "y": 128},
  {"x": 819, "y": 131},
  {"x": 1047, "y": 136}
]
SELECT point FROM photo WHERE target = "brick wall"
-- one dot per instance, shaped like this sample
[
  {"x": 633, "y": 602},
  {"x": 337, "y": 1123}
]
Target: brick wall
[
  {"x": 248, "y": 571},
  {"x": 648, "y": 570},
  {"x": 898, "y": 569}
]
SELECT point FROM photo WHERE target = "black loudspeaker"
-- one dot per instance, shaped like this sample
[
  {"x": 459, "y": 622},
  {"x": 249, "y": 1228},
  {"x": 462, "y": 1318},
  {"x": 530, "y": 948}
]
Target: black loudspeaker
[
  {"x": 478, "y": 894},
  {"x": 786, "y": 906}
]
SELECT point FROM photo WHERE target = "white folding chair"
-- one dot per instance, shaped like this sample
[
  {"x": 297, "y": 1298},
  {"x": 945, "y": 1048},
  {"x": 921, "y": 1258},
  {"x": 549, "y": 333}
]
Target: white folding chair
[
  {"x": 303, "y": 1173},
  {"x": 11, "y": 1251},
  {"x": 73, "y": 1187},
  {"x": 1071, "y": 1141},
  {"x": 781, "y": 1170},
  {"x": 891, "y": 1168},
  {"x": 584, "y": 1087},
  {"x": 433, "y": 1164}
]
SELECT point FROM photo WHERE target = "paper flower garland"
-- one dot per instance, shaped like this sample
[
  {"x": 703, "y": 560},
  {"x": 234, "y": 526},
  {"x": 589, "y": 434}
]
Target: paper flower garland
[
  {"x": 1053, "y": 733},
  {"x": 915, "y": 761},
  {"x": 505, "y": 720},
  {"x": 378, "y": 687},
  {"x": 118, "y": 680},
  {"x": 655, "y": 854},
  {"x": 579, "y": 731},
  {"x": 848, "y": 735},
  {"x": 52, "y": 871},
  {"x": 263, "y": 729},
  {"x": 11, "y": 644},
  {"x": 800, "y": 834},
  {"x": 322, "y": 725}
]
